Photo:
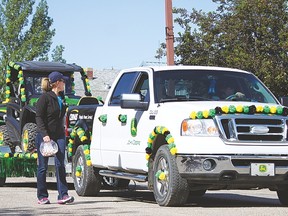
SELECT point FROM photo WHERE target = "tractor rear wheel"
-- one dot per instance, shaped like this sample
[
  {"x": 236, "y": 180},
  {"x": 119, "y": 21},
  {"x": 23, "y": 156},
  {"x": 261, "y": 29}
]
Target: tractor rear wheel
[{"x": 5, "y": 139}]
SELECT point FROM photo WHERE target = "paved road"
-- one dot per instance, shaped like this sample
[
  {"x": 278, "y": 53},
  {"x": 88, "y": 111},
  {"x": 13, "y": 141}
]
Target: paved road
[{"x": 18, "y": 197}]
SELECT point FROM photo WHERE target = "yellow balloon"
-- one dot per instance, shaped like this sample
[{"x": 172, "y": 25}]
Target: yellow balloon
[
  {"x": 173, "y": 151},
  {"x": 273, "y": 109},
  {"x": 205, "y": 114},
  {"x": 193, "y": 115},
  {"x": 162, "y": 176},
  {"x": 170, "y": 140},
  {"x": 239, "y": 109},
  {"x": 225, "y": 109},
  {"x": 88, "y": 162}
]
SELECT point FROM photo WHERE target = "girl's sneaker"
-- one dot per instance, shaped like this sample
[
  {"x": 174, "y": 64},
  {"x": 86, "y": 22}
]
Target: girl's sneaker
[
  {"x": 43, "y": 201},
  {"x": 66, "y": 199}
]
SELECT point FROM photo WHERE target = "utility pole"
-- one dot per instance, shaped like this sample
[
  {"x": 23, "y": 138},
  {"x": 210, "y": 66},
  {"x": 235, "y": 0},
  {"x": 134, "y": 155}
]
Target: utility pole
[{"x": 169, "y": 32}]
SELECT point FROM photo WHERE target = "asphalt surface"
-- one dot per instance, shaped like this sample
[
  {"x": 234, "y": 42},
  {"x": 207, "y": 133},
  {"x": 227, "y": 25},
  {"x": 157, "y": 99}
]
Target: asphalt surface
[{"x": 18, "y": 197}]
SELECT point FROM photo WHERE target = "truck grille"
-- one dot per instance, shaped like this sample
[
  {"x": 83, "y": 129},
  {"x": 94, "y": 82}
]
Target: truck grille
[{"x": 253, "y": 128}]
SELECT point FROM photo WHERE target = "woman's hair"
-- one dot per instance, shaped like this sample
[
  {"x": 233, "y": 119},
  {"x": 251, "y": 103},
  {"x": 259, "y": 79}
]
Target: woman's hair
[{"x": 46, "y": 85}]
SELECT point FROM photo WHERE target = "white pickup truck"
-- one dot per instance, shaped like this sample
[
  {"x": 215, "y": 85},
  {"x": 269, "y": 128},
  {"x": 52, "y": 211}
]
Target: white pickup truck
[{"x": 175, "y": 128}]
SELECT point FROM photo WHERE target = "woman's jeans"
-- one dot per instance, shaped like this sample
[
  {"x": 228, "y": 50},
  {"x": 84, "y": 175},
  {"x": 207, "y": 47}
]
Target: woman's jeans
[{"x": 62, "y": 186}]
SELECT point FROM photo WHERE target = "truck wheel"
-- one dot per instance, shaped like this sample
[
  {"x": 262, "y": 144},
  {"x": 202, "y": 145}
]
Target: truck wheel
[
  {"x": 28, "y": 137},
  {"x": 170, "y": 189},
  {"x": 283, "y": 197},
  {"x": 87, "y": 182},
  {"x": 2, "y": 181},
  {"x": 5, "y": 137},
  {"x": 114, "y": 183}
]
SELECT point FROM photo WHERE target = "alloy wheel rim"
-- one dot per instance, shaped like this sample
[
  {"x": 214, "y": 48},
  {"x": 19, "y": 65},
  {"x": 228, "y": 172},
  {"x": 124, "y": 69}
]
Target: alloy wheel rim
[
  {"x": 162, "y": 186},
  {"x": 79, "y": 179}
]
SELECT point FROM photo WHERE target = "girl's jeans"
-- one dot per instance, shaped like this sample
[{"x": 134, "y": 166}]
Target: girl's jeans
[{"x": 62, "y": 186}]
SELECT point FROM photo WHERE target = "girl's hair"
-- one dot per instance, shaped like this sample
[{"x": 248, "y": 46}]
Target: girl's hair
[{"x": 46, "y": 85}]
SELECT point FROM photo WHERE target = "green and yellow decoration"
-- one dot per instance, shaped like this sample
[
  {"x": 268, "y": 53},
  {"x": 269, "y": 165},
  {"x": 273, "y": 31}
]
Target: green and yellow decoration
[
  {"x": 25, "y": 140},
  {"x": 88, "y": 85},
  {"x": 133, "y": 127},
  {"x": 8, "y": 82},
  {"x": 99, "y": 98},
  {"x": 161, "y": 175},
  {"x": 1, "y": 139},
  {"x": 103, "y": 118},
  {"x": 87, "y": 155},
  {"x": 18, "y": 164},
  {"x": 86, "y": 80},
  {"x": 80, "y": 133},
  {"x": 168, "y": 137},
  {"x": 268, "y": 110},
  {"x": 78, "y": 172},
  {"x": 77, "y": 131},
  {"x": 122, "y": 118}
]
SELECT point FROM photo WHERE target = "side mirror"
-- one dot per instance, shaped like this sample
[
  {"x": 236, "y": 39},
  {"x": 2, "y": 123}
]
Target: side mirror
[
  {"x": 284, "y": 101},
  {"x": 133, "y": 101}
]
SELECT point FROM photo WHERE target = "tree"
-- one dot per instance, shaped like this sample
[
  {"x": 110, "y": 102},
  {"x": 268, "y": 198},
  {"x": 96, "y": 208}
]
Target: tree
[
  {"x": 25, "y": 32},
  {"x": 57, "y": 54},
  {"x": 160, "y": 52},
  {"x": 250, "y": 35}
]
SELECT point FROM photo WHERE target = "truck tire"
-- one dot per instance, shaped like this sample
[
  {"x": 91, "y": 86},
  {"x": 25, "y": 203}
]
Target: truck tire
[
  {"x": 115, "y": 183},
  {"x": 283, "y": 196},
  {"x": 88, "y": 181},
  {"x": 28, "y": 137},
  {"x": 172, "y": 190},
  {"x": 6, "y": 138}
]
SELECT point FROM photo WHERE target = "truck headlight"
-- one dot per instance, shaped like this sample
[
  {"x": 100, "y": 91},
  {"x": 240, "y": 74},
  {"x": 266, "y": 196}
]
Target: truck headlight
[{"x": 199, "y": 127}]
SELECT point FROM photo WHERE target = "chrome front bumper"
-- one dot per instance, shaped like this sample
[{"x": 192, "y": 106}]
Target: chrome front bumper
[{"x": 233, "y": 168}]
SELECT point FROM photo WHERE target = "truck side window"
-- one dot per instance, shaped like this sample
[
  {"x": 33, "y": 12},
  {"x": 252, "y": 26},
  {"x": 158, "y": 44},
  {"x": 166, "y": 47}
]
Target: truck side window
[
  {"x": 142, "y": 87},
  {"x": 124, "y": 86}
]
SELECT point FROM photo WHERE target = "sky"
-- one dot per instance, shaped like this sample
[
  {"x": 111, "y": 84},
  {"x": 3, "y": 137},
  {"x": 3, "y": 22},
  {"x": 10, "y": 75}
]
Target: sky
[{"x": 118, "y": 34}]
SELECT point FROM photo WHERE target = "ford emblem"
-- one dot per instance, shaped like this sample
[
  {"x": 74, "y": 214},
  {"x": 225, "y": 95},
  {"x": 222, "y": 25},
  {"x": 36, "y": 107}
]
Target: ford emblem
[{"x": 259, "y": 129}]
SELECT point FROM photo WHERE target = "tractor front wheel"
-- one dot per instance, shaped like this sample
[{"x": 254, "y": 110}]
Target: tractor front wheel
[{"x": 28, "y": 137}]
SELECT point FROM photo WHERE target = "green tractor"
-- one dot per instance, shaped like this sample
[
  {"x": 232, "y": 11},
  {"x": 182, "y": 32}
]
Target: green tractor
[{"x": 17, "y": 112}]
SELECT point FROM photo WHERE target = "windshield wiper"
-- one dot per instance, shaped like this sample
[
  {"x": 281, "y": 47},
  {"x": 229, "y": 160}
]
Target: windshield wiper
[{"x": 193, "y": 98}]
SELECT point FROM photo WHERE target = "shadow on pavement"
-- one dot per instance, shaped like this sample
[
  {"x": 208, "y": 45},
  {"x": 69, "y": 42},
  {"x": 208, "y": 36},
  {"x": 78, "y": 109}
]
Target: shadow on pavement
[{"x": 140, "y": 193}]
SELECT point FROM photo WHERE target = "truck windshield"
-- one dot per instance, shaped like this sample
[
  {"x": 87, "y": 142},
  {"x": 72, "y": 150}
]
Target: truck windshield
[{"x": 214, "y": 85}]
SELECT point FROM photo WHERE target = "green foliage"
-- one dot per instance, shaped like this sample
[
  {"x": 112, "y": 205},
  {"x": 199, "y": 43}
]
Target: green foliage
[
  {"x": 57, "y": 54},
  {"x": 25, "y": 33},
  {"x": 160, "y": 52},
  {"x": 249, "y": 35}
]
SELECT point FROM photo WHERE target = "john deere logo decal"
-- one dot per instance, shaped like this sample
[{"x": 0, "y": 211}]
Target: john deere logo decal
[{"x": 262, "y": 168}]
